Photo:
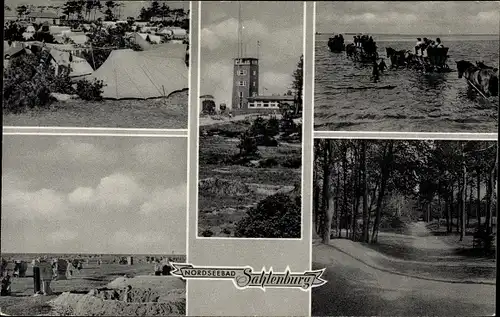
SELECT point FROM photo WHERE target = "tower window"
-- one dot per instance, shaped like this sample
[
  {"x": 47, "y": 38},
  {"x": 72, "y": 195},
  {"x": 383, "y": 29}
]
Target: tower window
[
  {"x": 241, "y": 94},
  {"x": 242, "y": 72},
  {"x": 254, "y": 94},
  {"x": 254, "y": 73},
  {"x": 253, "y": 84},
  {"x": 242, "y": 83}
]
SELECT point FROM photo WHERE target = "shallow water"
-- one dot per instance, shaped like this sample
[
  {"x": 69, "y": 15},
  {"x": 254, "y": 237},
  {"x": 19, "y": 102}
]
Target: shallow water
[{"x": 346, "y": 99}]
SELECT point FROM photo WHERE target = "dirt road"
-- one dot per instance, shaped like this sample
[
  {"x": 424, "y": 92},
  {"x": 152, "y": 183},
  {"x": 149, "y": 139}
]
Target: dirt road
[{"x": 356, "y": 288}]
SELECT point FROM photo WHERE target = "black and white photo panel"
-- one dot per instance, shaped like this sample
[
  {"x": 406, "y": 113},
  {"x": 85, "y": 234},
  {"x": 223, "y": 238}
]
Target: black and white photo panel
[
  {"x": 250, "y": 120},
  {"x": 403, "y": 66},
  {"x": 405, "y": 227},
  {"x": 102, "y": 64},
  {"x": 91, "y": 225}
]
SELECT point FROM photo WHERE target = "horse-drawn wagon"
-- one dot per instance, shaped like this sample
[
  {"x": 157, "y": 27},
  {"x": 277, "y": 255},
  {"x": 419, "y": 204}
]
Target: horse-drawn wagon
[
  {"x": 336, "y": 44},
  {"x": 363, "y": 50},
  {"x": 434, "y": 60}
]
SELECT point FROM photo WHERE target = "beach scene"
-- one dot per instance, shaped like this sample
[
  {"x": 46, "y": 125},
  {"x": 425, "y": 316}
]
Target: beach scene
[
  {"x": 400, "y": 95},
  {"x": 93, "y": 232}
]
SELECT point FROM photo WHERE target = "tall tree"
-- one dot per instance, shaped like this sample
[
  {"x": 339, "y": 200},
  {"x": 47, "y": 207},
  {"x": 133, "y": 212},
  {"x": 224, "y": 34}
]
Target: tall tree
[
  {"x": 463, "y": 194},
  {"x": 385, "y": 173},
  {"x": 328, "y": 206},
  {"x": 21, "y": 10},
  {"x": 298, "y": 83},
  {"x": 108, "y": 13},
  {"x": 366, "y": 211}
]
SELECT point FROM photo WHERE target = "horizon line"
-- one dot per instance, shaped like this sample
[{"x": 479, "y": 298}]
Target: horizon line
[
  {"x": 414, "y": 34},
  {"x": 91, "y": 253}
]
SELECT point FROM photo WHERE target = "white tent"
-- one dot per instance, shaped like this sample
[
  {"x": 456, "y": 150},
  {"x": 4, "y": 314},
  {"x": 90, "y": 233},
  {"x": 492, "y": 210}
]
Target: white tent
[
  {"x": 152, "y": 37},
  {"x": 79, "y": 66},
  {"x": 154, "y": 73},
  {"x": 55, "y": 29}
]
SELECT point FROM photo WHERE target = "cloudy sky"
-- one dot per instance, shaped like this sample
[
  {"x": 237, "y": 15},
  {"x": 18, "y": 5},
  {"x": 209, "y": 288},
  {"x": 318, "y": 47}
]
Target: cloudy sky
[
  {"x": 277, "y": 25},
  {"x": 130, "y": 8},
  {"x": 409, "y": 17},
  {"x": 94, "y": 194}
]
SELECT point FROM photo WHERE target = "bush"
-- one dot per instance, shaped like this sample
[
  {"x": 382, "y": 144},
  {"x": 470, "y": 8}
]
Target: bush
[
  {"x": 273, "y": 127},
  {"x": 270, "y": 162},
  {"x": 207, "y": 233},
  {"x": 89, "y": 90},
  {"x": 226, "y": 231},
  {"x": 392, "y": 224},
  {"x": 288, "y": 126},
  {"x": 292, "y": 162},
  {"x": 248, "y": 144},
  {"x": 29, "y": 80},
  {"x": 277, "y": 216},
  {"x": 259, "y": 127}
]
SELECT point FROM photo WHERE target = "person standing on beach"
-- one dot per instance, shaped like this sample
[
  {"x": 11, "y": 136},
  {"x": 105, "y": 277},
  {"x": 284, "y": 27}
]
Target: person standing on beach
[{"x": 375, "y": 71}]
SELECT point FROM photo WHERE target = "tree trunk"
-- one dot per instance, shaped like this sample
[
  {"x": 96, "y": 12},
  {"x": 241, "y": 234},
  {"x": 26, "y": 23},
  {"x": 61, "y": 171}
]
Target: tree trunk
[
  {"x": 478, "y": 207},
  {"x": 489, "y": 201},
  {"x": 386, "y": 159},
  {"x": 471, "y": 199},
  {"x": 459, "y": 205},
  {"x": 489, "y": 190},
  {"x": 316, "y": 205},
  {"x": 344, "y": 207},
  {"x": 356, "y": 182},
  {"x": 447, "y": 208},
  {"x": 365, "y": 191},
  {"x": 464, "y": 197},
  {"x": 337, "y": 202},
  {"x": 327, "y": 218},
  {"x": 429, "y": 206}
]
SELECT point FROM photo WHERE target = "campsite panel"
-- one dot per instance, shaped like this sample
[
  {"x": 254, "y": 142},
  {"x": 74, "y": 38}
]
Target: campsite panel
[
  {"x": 399, "y": 67},
  {"x": 127, "y": 68}
]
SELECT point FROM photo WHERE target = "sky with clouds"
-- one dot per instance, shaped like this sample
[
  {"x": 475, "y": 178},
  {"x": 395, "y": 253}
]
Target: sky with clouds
[
  {"x": 94, "y": 194},
  {"x": 279, "y": 26},
  {"x": 129, "y": 8},
  {"x": 408, "y": 17}
]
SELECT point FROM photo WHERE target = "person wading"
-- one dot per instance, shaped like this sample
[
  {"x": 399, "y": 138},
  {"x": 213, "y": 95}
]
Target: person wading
[
  {"x": 375, "y": 71},
  {"x": 382, "y": 66}
]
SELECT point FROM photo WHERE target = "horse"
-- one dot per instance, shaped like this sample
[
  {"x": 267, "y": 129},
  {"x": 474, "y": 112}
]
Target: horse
[
  {"x": 350, "y": 50},
  {"x": 482, "y": 65},
  {"x": 397, "y": 58},
  {"x": 483, "y": 79}
]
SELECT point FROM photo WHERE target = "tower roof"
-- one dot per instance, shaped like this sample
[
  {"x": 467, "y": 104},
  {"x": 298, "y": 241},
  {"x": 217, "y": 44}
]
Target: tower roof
[{"x": 247, "y": 58}]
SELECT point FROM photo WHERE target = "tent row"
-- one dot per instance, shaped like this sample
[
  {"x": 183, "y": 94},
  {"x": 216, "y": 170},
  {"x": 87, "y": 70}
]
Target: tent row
[{"x": 157, "y": 71}]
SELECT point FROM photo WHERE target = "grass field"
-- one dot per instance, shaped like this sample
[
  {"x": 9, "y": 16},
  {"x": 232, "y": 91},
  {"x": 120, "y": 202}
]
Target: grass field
[
  {"x": 23, "y": 302},
  {"x": 170, "y": 113},
  {"x": 219, "y": 211}
]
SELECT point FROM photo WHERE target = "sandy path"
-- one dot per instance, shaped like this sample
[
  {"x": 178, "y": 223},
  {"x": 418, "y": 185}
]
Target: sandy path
[
  {"x": 424, "y": 239},
  {"x": 355, "y": 288}
]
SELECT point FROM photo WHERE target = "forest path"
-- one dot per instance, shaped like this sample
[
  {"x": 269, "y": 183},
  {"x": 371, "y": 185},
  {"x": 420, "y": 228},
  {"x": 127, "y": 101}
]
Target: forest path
[
  {"x": 424, "y": 239},
  {"x": 357, "y": 288}
]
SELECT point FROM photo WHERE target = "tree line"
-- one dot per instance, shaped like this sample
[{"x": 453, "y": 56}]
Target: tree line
[
  {"x": 86, "y": 10},
  {"x": 360, "y": 185}
]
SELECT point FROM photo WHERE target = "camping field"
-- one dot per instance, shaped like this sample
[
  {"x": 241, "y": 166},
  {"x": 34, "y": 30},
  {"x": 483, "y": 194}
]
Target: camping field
[
  {"x": 169, "y": 113},
  {"x": 150, "y": 295},
  {"x": 228, "y": 190}
]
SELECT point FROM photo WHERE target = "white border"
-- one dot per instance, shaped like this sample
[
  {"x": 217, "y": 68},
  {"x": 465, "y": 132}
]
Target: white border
[
  {"x": 405, "y": 135},
  {"x": 311, "y": 184},
  {"x": 84, "y": 128},
  {"x": 98, "y": 134},
  {"x": 198, "y": 146},
  {"x": 188, "y": 143}
]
